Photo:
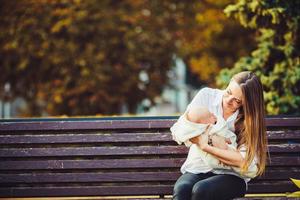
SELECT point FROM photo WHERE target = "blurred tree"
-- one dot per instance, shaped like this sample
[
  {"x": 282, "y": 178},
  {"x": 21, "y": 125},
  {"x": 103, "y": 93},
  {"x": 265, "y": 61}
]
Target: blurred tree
[
  {"x": 78, "y": 57},
  {"x": 214, "y": 42},
  {"x": 277, "y": 59}
]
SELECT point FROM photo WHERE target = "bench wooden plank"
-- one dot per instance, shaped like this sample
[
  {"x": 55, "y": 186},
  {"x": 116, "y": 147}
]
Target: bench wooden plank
[
  {"x": 98, "y": 124},
  {"x": 124, "y": 190},
  {"x": 106, "y": 177},
  {"x": 284, "y": 161},
  {"x": 272, "y": 187},
  {"x": 85, "y": 191},
  {"x": 96, "y": 137},
  {"x": 283, "y": 122},
  {"x": 137, "y": 176},
  {"x": 62, "y": 138},
  {"x": 93, "y": 164},
  {"x": 93, "y": 151},
  {"x": 119, "y": 150},
  {"x": 283, "y": 135},
  {"x": 280, "y": 174},
  {"x": 121, "y": 163},
  {"x": 284, "y": 148}
]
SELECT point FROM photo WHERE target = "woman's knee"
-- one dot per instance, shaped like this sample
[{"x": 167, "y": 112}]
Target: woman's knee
[
  {"x": 201, "y": 191},
  {"x": 182, "y": 187},
  {"x": 219, "y": 187}
]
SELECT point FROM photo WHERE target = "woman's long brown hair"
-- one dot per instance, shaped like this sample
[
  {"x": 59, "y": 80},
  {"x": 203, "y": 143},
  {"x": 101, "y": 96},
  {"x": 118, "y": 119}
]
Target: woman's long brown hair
[{"x": 250, "y": 123}]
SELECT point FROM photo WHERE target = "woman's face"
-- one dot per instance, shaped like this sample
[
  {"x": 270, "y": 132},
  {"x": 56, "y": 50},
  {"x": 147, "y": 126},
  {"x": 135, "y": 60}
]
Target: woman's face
[{"x": 232, "y": 98}]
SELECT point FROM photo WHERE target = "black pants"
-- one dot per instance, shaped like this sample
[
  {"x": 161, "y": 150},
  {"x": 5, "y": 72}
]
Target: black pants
[{"x": 208, "y": 186}]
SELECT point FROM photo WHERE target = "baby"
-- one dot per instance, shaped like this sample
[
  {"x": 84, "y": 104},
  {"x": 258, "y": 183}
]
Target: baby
[
  {"x": 201, "y": 115},
  {"x": 194, "y": 123}
]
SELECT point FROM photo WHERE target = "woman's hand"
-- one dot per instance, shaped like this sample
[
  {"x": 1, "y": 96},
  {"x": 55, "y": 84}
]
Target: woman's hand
[
  {"x": 220, "y": 142},
  {"x": 203, "y": 143},
  {"x": 195, "y": 140},
  {"x": 202, "y": 140}
]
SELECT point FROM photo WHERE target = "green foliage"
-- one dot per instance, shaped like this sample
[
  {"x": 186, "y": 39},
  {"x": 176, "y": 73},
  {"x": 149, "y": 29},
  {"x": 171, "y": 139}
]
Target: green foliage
[
  {"x": 86, "y": 57},
  {"x": 277, "y": 58}
]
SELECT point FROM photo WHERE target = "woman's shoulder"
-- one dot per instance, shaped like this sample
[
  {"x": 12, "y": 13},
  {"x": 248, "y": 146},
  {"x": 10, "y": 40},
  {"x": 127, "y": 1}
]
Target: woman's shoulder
[
  {"x": 209, "y": 91},
  {"x": 204, "y": 97}
]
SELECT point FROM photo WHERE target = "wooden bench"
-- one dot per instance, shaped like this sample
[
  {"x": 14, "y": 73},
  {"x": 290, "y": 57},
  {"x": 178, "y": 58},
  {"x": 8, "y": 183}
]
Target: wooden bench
[{"x": 119, "y": 157}]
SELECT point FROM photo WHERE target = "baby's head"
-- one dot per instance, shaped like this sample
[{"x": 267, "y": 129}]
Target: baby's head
[{"x": 201, "y": 115}]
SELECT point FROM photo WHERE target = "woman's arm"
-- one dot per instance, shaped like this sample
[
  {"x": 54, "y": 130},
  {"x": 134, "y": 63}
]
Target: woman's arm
[{"x": 227, "y": 156}]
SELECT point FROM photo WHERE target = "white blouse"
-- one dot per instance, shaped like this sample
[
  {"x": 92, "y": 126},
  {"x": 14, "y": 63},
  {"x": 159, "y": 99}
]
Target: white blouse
[{"x": 212, "y": 100}]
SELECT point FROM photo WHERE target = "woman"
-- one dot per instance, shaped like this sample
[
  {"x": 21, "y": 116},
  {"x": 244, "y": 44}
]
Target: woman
[{"x": 242, "y": 107}]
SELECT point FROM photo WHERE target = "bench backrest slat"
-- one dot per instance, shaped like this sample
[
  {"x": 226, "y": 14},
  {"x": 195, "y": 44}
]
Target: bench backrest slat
[
  {"x": 79, "y": 138},
  {"x": 95, "y": 164}
]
